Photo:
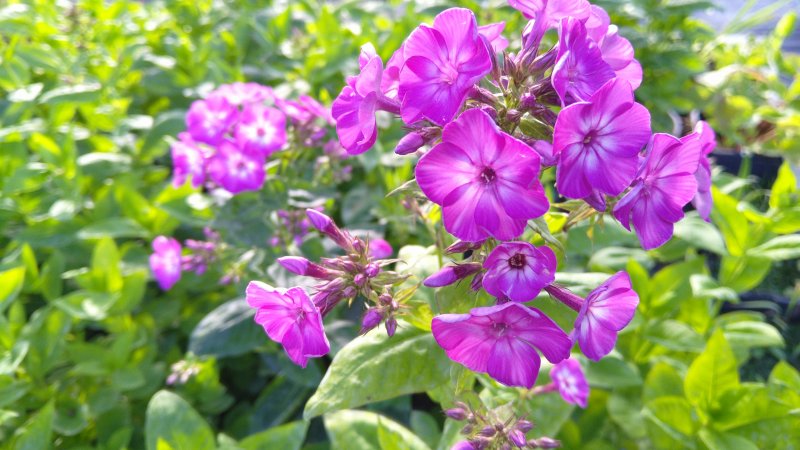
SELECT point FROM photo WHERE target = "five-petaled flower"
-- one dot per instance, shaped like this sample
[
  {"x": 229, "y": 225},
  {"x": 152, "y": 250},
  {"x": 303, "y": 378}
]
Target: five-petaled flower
[
  {"x": 165, "y": 262},
  {"x": 570, "y": 381},
  {"x": 519, "y": 270}
]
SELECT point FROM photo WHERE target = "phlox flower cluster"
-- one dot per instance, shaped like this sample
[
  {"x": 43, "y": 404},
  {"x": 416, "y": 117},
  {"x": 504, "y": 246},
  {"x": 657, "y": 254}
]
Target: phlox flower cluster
[
  {"x": 232, "y": 132},
  {"x": 168, "y": 260}
]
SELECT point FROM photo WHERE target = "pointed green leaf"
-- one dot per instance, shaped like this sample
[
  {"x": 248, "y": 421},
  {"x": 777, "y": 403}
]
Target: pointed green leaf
[
  {"x": 712, "y": 373},
  {"x": 362, "y": 430},
  {"x": 171, "y": 420}
]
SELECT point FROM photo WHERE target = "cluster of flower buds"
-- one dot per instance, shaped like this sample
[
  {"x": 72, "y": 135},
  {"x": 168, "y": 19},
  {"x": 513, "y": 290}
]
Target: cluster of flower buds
[
  {"x": 485, "y": 431},
  {"x": 167, "y": 262},
  {"x": 360, "y": 271},
  {"x": 231, "y": 133},
  {"x": 291, "y": 227},
  {"x": 182, "y": 371}
]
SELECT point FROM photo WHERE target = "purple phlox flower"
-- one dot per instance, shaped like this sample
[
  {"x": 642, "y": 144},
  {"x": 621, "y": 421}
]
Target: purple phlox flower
[
  {"x": 290, "y": 318},
  {"x": 616, "y": 50},
  {"x": 380, "y": 248},
  {"x": 450, "y": 274},
  {"x": 550, "y": 12},
  {"x": 390, "y": 82},
  {"x": 165, "y": 262},
  {"x": 605, "y": 311},
  {"x": 294, "y": 110},
  {"x": 502, "y": 341},
  {"x": 664, "y": 184},
  {"x": 355, "y": 107},
  {"x": 261, "y": 129},
  {"x": 245, "y": 93},
  {"x": 209, "y": 120},
  {"x": 493, "y": 33},
  {"x": 442, "y": 63},
  {"x": 188, "y": 161},
  {"x": 570, "y": 381},
  {"x": 235, "y": 170},
  {"x": 598, "y": 142},
  {"x": 519, "y": 270},
  {"x": 486, "y": 181},
  {"x": 702, "y": 200},
  {"x": 328, "y": 227},
  {"x": 579, "y": 70}
]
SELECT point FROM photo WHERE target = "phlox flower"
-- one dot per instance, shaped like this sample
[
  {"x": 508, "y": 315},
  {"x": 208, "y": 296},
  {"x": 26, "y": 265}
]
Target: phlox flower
[
  {"x": 502, "y": 341},
  {"x": 485, "y": 180},
  {"x": 493, "y": 33},
  {"x": 550, "y": 12},
  {"x": 188, "y": 161},
  {"x": 616, "y": 50},
  {"x": 664, "y": 184},
  {"x": 579, "y": 69},
  {"x": 261, "y": 130},
  {"x": 702, "y": 200},
  {"x": 519, "y": 270},
  {"x": 244, "y": 93},
  {"x": 598, "y": 141},
  {"x": 569, "y": 379},
  {"x": 442, "y": 63},
  {"x": 209, "y": 120},
  {"x": 236, "y": 171},
  {"x": 165, "y": 261},
  {"x": 290, "y": 318}
]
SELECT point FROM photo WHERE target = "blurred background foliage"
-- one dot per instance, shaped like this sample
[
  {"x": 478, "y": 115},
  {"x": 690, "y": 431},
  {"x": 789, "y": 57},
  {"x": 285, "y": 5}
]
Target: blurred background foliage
[{"x": 90, "y": 94}]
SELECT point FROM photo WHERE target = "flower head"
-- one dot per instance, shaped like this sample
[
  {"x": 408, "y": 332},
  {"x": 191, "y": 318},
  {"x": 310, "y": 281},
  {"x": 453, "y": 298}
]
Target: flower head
[
  {"x": 550, "y": 12},
  {"x": 290, "y": 318},
  {"x": 664, "y": 184},
  {"x": 245, "y": 93},
  {"x": 502, "y": 341},
  {"x": 442, "y": 63},
  {"x": 598, "y": 141},
  {"x": 616, "y": 50},
  {"x": 165, "y": 262},
  {"x": 208, "y": 120},
  {"x": 606, "y": 310},
  {"x": 188, "y": 161},
  {"x": 702, "y": 200},
  {"x": 485, "y": 180},
  {"x": 579, "y": 69},
  {"x": 570, "y": 381},
  {"x": 236, "y": 171},
  {"x": 519, "y": 270},
  {"x": 493, "y": 33},
  {"x": 261, "y": 130}
]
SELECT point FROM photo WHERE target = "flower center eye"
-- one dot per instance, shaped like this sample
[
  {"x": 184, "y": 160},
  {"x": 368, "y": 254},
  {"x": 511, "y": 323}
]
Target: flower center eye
[
  {"x": 589, "y": 138},
  {"x": 261, "y": 132},
  {"x": 517, "y": 261},
  {"x": 488, "y": 175},
  {"x": 499, "y": 328}
]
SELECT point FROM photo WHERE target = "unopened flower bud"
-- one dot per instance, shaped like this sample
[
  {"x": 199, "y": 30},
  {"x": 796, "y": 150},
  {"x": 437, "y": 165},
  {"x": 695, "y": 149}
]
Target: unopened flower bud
[
  {"x": 349, "y": 292},
  {"x": 524, "y": 425},
  {"x": 391, "y": 326},
  {"x": 490, "y": 110},
  {"x": 463, "y": 246},
  {"x": 462, "y": 445},
  {"x": 450, "y": 274},
  {"x": 518, "y": 438},
  {"x": 372, "y": 318},
  {"x": 385, "y": 299},
  {"x": 505, "y": 446},
  {"x": 327, "y": 227},
  {"x": 358, "y": 245},
  {"x": 544, "y": 442},
  {"x": 372, "y": 270},
  {"x": 527, "y": 101},
  {"x": 409, "y": 143},
  {"x": 394, "y": 305},
  {"x": 483, "y": 95},
  {"x": 477, "y": 282},
  {"x": 304, "y": 267},
  {"x": 467, "y": 429},
  {"x": 456, "y": 413},
  {"x": 487, "y": 431},
  {"x": 480, "y": 443},
  {"x": 513, "y": 115}
]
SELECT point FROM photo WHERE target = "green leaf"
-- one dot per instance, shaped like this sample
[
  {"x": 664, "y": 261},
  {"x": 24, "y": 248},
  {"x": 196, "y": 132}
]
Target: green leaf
[
  {"x": 116, "y": 227},
  {"x": 627, "y": 415},
  {"x": 35, "y": 434},
  {"x": 86, "y": 305},
  {"x": 662, "y": 381},
  {"x": 375, "y": 367},
  {"x": 752, "y": 334},
  {"x": 674, "y": 335},
  {"x": 426, "y": 427},
  {"x": 11, "y": 282},
  {"x": 228, "y": 330},
  {"x": 361, "y": 430},
  {"x": 712, "y": 373},
  {"x": 783, "y": 373},
  {"x": 79, "y": 93},
  {"x": 171, "y": 420},
  {"x": 669, "y": 421},
  {"x": 611, "y": 372},
  {"x": 778, "y": 248},
  {"x": 731, "y": 222},
  {"x": 780, "y": 196},
  {"x": 742, "y": 273},
  {"x": 716, "y": 440},
  {"x": 289, "y": 436},
  {"x": 701, "y": 234}
]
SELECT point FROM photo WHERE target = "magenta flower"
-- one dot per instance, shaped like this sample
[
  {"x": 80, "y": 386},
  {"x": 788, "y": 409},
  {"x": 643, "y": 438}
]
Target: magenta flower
[
  {"x": 519, "y": 270},
  {"x": 550, "y": 12},
  {"x": 244, "y": 93},
  {"x": 442, "y": 63},
  {"x": 485, "y": 180},
  {"x": 165, "y": 262},
  {"x": 579, "y": 69},
  {"x": 188, "y": 161},
  {"x": 236, "y": 171},
  {"x": 493, "y": 33},
  {"x": 316, "y": 108},
  {"x": 502, "y": 341},
  {"x": 664, "y": 184},
  {"x": 208, "y": 120},
  {"x": 570, "y": 381},
  {"x": 261, "y": 130},
  {"x": 290, "y": 318},
  {"x": 606, "y": 310},
  {"x": 598, "y": 141},
  {"x": 354, "y": 109},
  {"x": 390, "y": 82},
  {"x": 702, "y": 200},
  {"x": 380, "y": 248},
  {"x": 616, "y": 50}
]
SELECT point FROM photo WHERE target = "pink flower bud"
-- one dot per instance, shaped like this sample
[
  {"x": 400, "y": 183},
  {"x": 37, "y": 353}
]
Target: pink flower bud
[
  {"x": 487, "y": 431},
  {"x": 518, "y": 438},
  {"x": 463, "y": 246},
  {"x": 372, "y": 318},
  {"x": 391, "y": 326},
  {"x": 450, "y": 274},
  {"x": 360, "y": 279},
  {"x": 304, "y": 267},
  {"x": 385, "y": 299},
  {"x": 410, "y": 143},
  {"x": 456, "y": 413},
  {"x": 544, "y": 442},
  {"x": 524, "y": 425},
  {"x": 327, "y": 227},
  {"x": 372, "y": 270}
]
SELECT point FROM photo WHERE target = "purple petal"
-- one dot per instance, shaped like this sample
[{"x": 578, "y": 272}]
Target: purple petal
[{"x": 513, "y": 363}]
